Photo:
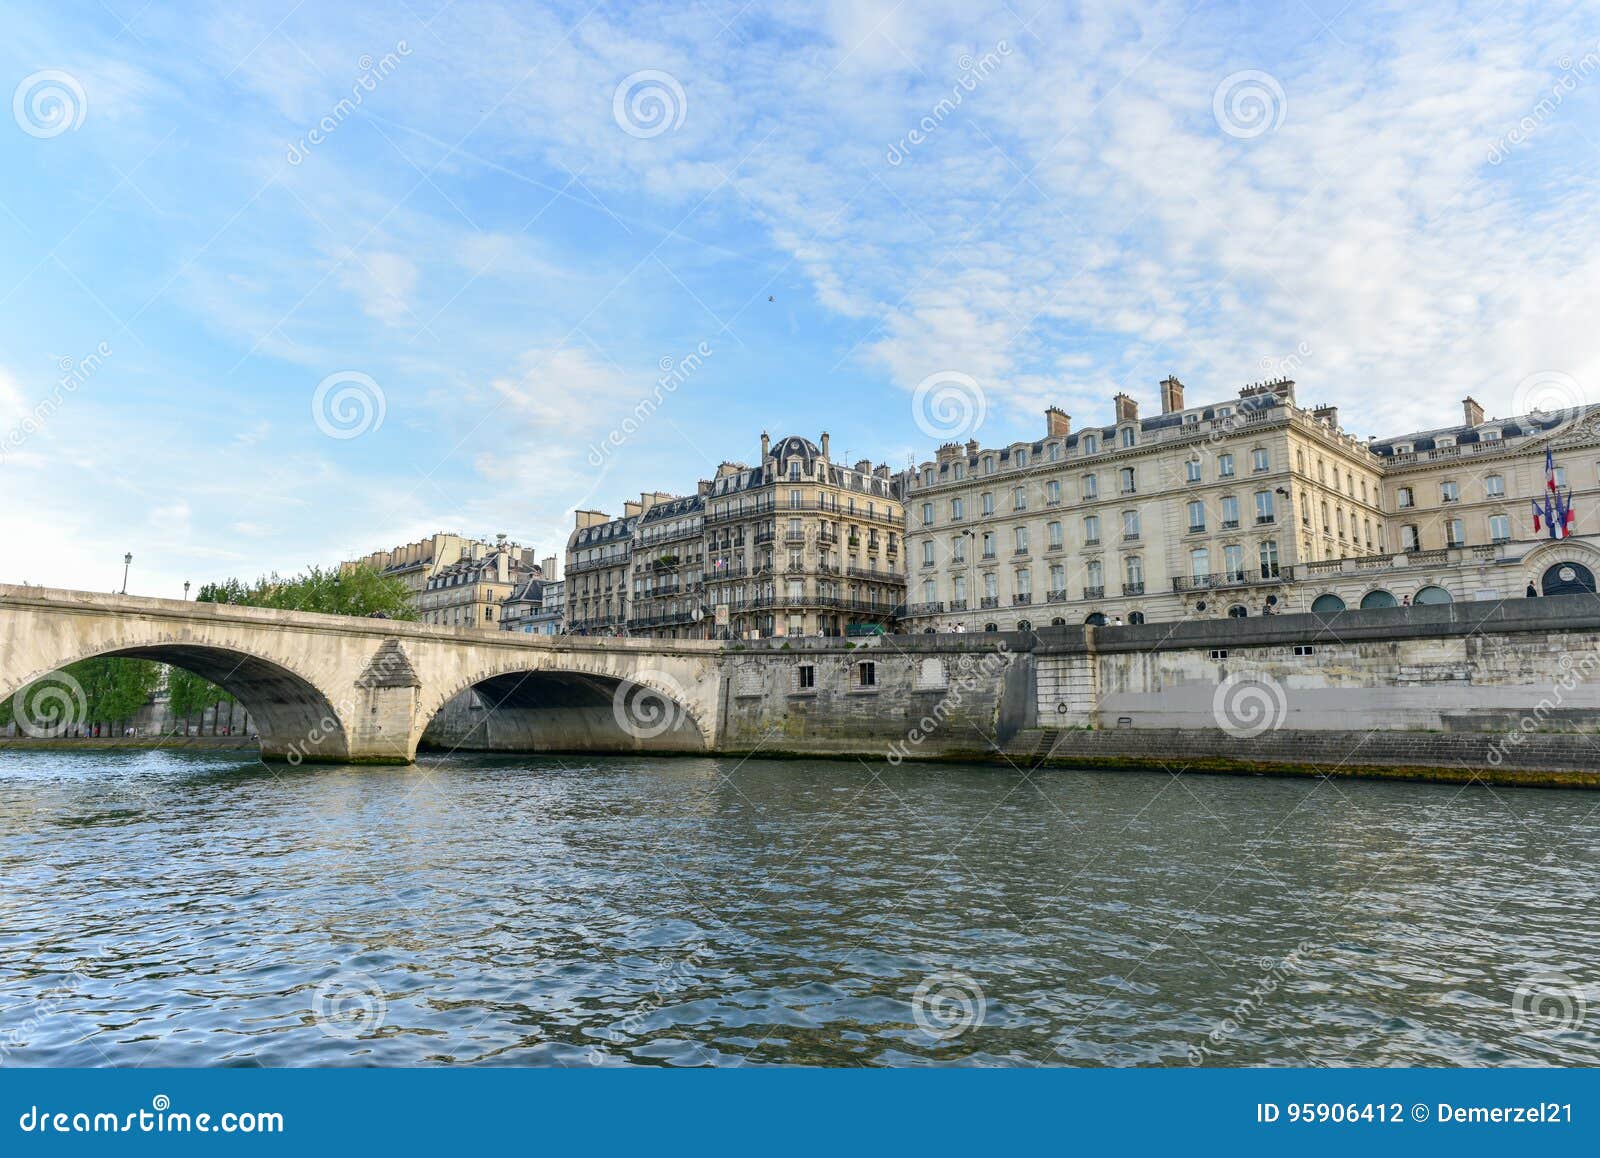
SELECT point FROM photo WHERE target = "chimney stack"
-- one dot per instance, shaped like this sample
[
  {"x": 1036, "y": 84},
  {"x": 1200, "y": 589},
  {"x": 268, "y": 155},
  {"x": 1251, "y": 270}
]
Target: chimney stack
[
  {"x": 1127, "y": 408},
  {"x": 1472, "y": 412},
  {"x": 972, "y": 446},
  {"x": 1171, "y": 394},
  {"x": 632, "y": 509},
  {"x": 591, "y": 519},
  {"x": 766, "y": 446},
  {"x": 548, "y": 567},
  {"x": 1328, "y": 414},
  {"x": 824, "y": 444},
  {"x": 1057, "y": 422}
]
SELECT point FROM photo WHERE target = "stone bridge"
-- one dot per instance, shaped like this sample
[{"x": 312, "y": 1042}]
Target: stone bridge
[{"x": 331, "y": 688}]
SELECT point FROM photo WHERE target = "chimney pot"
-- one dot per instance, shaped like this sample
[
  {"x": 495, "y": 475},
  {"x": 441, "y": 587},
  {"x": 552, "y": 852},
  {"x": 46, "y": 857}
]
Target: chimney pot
[
  {"x": 1057, "y": 422},
  {"x": 1171, "y": 394},
  {"x": 1471, "y": 411},
  {"x": 1127, "y": 408}
]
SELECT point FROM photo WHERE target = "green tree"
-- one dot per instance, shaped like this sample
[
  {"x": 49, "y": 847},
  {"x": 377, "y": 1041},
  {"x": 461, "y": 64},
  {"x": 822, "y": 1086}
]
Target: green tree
[
  {"x": 332, "y": 591},
  {"x": 190, "y": 695},
  {"x": 107, "y": 690}
]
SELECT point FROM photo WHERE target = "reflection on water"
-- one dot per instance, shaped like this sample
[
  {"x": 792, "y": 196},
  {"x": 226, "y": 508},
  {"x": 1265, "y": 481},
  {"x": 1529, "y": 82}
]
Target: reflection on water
[{"x": 166, "y": 908}]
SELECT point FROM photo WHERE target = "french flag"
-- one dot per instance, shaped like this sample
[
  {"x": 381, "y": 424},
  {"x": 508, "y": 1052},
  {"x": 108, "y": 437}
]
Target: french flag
[
  {"x": 1538, "y": 521},
  {"x": 1549, "y": 470},
  {"x": 1568, "y": 515}
]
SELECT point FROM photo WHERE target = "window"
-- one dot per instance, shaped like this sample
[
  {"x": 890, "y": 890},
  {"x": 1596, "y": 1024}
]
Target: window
[
  {"x": 927, "y": 514},
  {"x": 1499, "y": 529},
  {"x": 988, "y": 464},
  {"x": 958, "y": 549},
  {"x": 1455, "y": 533},
  {"x": 1091, "y": 486},
  {"x": 1091, "y": 529},
  {"x": 1225, "y": 466},
  {"x": 1233, "y": 562},
  {"x": 1266, "y": 510},
  {"x": 1019, "y": 499},
  {"x": 867, "y": 674},
  {"x": 986, "y": 502},
  {"x": 1058, "y": 579},
  {"x": 1024, "y": 581},
  {"x": 1054, "y": 530},
  {"x": 1561, "y": 476},
  {"x": 990, "y": 589},
  {"x": 1230, "y": 512},
  {"x": 1219, "y": 653},
  {"x": 1404, "y": 498},
  {"x": 1197, "y": 516},
  {"x": 1200, "y": 563},
  {"x": 1449, "y": 491},
  {"x": 958, "y": 510},
  {"x": 958, "y": 590},
  {"x": 1191, "y": 470},
  {"x": 1130, "y": 524},
  {"x": 1091, "y": 444},
  {"x": 1410, "y": 538},
  {"x": 1260, "y": 460},
  {"x": 1095, "y": 575},
  {"x": 1135, "y": 617},
  {"x": 1021, "y": 459},
  {"x": 930, "y": 591},
  {"x": 1052, "y": 451},
  {"x": 1133, "y": 567},
  {"x": 1269, "y": 559},
  {"x": 959, "y": 472},
  {"x": 1052, "y": 491},
  {"x": 1306, "y": 648},
  {"x": 927, "y": 553},
  {"x": 988, "y": 544},
  {"x": 1128, "y": 487},
  {"x": 1128, "y": 437},
  {"x": 1019, "y": 537}
]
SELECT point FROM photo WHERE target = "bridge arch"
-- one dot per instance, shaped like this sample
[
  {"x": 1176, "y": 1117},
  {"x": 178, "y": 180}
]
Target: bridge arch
[
  {"x": 565, "y": 704},
  {"x": 294, "y": 719}
]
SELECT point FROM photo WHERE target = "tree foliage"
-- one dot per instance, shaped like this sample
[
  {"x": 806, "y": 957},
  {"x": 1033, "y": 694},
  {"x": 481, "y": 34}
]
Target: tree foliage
[
  {"x": 332, "y": 591},
  {"x": 107, "y": 690}
]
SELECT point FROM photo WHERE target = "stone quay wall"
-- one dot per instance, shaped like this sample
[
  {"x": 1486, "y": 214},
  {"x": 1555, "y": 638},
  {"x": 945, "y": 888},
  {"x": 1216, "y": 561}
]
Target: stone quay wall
[{"x": 1503, "y": 691}]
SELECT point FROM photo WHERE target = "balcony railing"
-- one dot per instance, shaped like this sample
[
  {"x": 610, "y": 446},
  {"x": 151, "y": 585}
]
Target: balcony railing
[
  {"x": 1133, "y": 588},
  {"x": 1094, "y": 592},
  {"x": 1022, "y": 599},
  {"x": 1059, "y": 595},
  {"x": 914, "y": 609},
  {"x": 1223, "y": 579},
  {"x": 989, "y": 601}
]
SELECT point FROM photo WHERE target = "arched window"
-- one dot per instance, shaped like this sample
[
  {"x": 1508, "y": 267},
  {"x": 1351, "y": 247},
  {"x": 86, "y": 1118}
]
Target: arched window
[
  {"x": 1058, "y": 622},
  {"x": 927, "y": 631},
  {"x": 1327, "y": 605},
  {"x": 1238, "y": 611},
  {"x": 1135, "y": 617},
  {"x": 1567, "y": 579},
  {"x": 1378, "y": 598},
  {"x": 1024, "y": 625},
  {"x": 1095, "y": 619},
  {"x": 1432, "y": 595},
  {"x": 991, "y": 627}
]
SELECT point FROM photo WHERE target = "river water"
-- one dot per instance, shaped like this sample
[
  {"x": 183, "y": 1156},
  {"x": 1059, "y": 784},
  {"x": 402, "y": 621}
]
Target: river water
[{"x": 182, "y": 908}]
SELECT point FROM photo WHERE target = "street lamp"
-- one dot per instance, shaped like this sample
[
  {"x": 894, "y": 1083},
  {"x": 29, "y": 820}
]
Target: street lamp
[
  {"x": 186, "y": 589},
  {"x": 127, "y": 561}
]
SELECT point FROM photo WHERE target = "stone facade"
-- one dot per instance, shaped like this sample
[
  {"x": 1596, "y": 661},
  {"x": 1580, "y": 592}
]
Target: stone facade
[
  {"x": 796, "y": 546},
  {"x": 1250, "y": 506}
]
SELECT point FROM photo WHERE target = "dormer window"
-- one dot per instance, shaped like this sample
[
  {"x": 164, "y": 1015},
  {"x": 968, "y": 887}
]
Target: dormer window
[
  {"x": 1444, "y": 442},
  {"x": 1128, "y": 436},
  {"x": 1489, "y": 435},
  {"x": 1402, "y": 448},
  {"x": 1091, "y": 444}
]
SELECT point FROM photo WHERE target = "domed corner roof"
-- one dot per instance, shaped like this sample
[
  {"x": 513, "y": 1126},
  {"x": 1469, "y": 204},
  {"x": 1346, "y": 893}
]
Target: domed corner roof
[{"x": 795, "y": 445}]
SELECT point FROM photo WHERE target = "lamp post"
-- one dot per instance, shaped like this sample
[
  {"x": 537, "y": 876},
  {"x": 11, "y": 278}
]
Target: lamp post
[
  {"x": 186, "y": 589},
  {"x": 127, "y": 561}
]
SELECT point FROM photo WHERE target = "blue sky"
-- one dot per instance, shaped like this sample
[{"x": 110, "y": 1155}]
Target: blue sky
[{"x": 1395, "y": 203}]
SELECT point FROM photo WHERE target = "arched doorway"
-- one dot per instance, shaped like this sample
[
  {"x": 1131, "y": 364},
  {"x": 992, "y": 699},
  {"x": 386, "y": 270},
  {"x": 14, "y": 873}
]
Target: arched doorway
[
  {"x": 991, "y": 627},
  {"x": 1567, "y": 579},
  {"x": 1095, "y": 619},
  {"x": 1432, "y": 594},
  {"x": 1379, "y": 598},
  {"x": 1238, "y": 611},
  {"x": 1329, "y": 604},
  {"x": 1058, "y": 622}
]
